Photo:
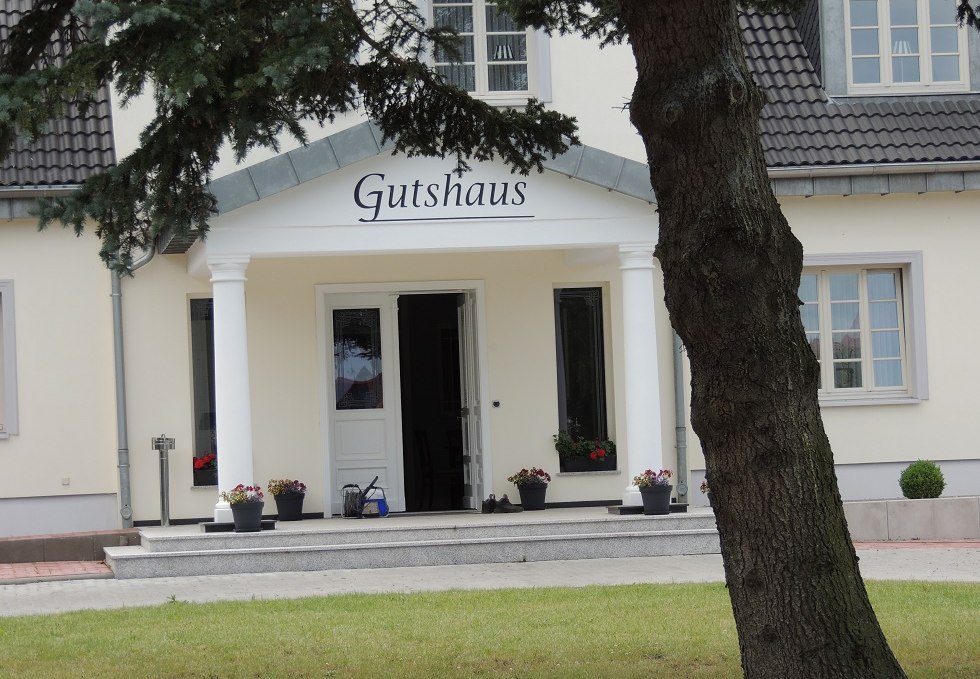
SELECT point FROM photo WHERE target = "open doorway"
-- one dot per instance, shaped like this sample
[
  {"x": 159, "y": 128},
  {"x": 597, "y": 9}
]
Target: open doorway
[{"x": 431, "y": 403}]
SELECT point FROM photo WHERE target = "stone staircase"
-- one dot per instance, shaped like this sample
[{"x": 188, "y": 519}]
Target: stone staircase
[{"x": 421, "y": 540}]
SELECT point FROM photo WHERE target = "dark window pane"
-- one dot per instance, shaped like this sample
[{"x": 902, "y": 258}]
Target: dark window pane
[
  {"x": 581, "y": 364},
  {"x": 357, "y": 358},
  {"x": 512, "y": 78},
  {"x": 463, "y": 77},
  {"x": 202, "y": 376}
]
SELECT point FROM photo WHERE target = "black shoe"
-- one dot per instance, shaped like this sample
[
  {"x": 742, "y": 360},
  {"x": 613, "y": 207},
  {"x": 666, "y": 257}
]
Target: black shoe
[
  {"x": 505, "y": 506},
  {"x": 490, "y": 504}
]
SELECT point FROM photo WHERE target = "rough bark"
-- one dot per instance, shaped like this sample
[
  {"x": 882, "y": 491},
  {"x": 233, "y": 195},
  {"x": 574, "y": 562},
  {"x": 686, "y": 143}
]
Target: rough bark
[{"x": 732, "y": 269}]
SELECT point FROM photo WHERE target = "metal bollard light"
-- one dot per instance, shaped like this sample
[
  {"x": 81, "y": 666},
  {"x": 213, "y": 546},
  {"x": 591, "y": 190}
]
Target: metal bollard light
[{"x": 164, "y": 445}]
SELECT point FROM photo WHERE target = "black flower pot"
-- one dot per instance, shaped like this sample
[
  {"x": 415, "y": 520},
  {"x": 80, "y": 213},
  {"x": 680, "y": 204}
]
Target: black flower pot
[
  {"x": 205, "y": 477},
  {"x": 290, "y": 506},
  {"x": 532, "y": 495},
  {"x": 247, "y": 516},
  {"x": 656, "y": 499}
]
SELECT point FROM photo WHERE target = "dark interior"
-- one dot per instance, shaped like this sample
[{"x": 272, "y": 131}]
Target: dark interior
[{"x": 428, "y": 334}]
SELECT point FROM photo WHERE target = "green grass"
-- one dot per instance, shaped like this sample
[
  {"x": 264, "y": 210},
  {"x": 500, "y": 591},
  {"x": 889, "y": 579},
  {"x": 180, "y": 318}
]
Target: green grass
[{"x": 628, "y": 631}]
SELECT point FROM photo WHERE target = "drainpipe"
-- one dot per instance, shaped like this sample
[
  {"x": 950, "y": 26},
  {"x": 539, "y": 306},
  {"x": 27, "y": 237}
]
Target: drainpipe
[
  {"x": 680, "y": 419},
  {"x": 122, "y": 420}
]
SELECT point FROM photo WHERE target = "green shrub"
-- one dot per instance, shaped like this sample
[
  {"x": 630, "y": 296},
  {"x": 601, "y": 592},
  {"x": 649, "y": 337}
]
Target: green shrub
[{"x": 920, "y": 479}]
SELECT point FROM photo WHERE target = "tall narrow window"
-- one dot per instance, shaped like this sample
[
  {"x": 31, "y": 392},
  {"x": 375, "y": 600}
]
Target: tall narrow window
[
  {"x": 493, "y": 54},
  {"x": 581, "y": 362},
  {"x": 202, "y": 371}
]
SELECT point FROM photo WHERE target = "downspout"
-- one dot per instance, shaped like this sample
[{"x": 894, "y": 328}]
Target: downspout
[
  {"x": 122, "y": 420},
  {"x": 680, "y": 420}
]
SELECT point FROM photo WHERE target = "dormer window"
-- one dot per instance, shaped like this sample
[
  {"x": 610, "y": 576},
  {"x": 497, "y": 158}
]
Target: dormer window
[
  {"x": 905, "y": 46},
  {"x": 496, "y": 60}
]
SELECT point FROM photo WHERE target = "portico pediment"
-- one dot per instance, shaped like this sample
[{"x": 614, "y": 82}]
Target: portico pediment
[{"x": 387, "y": 204}]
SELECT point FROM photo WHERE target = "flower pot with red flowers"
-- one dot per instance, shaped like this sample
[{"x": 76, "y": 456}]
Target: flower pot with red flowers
[
  {"x": 246, "y": 507},
  {"x": 655, "y": 490},
  {"x": 579, "y": 454},
  {"x": 289, "y": 495},
  {"x": 206, "y": 470},
  {"x": 532, "y": 484}
]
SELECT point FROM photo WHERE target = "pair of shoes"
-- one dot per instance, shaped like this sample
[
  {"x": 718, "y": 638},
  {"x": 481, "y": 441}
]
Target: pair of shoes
[
  {"x": 505, "y": 506},
  {"x": 490, "y": 504}
]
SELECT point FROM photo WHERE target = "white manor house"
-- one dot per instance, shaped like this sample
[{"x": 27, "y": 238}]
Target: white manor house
[{"x": 355, "y": 314}]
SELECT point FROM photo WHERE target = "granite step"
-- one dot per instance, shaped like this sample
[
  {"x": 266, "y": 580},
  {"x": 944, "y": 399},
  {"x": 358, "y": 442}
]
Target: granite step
[
  {"x": 368, "y": 543},
  {"x": 368, "y": 531}
]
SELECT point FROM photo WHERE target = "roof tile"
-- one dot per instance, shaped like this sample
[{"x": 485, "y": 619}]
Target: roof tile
[{"x": 72, "y": 149}]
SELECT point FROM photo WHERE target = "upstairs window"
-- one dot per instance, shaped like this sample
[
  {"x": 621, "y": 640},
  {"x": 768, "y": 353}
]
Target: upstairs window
[
  {"x": 8, "y": 363},
  {"x": 905, "y": 46},
  {"x": 495, "y": 54}
]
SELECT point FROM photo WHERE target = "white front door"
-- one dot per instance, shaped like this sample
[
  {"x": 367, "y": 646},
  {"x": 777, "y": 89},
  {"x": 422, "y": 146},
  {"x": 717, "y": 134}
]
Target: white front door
[
  {"x": 363, "y": 395},
  {"x": 471, "y": 411}
]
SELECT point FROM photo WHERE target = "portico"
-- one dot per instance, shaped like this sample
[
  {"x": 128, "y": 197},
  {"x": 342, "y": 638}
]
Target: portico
[{"x": 396, "y": 227}]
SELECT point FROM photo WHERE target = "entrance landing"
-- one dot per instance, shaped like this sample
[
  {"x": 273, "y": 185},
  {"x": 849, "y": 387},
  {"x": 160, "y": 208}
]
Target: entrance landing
[{"x": 415, "y": 540}]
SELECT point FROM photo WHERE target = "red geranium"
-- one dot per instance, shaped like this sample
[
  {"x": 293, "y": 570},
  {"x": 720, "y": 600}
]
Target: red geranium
[{"x": 206, "y": 462}]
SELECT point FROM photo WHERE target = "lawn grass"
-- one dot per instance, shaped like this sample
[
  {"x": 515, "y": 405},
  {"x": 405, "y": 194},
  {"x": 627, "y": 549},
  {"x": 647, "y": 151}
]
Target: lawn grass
[{"x": 623, "y": 631}]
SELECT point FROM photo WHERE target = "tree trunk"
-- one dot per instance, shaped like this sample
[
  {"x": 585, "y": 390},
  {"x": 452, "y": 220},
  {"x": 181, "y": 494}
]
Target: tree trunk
[{"x": 732, "y": 271}]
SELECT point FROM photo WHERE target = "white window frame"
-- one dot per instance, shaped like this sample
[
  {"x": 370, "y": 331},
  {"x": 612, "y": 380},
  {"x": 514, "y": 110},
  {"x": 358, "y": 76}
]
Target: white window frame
[
  {"x": 538, "y": 61},
  {"x": 8, "y": 362},
  {"x": 912, "y": 309},
  {"x": 885, "y": 53}
]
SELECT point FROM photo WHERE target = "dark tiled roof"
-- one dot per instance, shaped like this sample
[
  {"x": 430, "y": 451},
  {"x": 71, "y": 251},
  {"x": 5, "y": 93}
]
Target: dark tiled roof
[
  {"x": 73, "y": 149},
  {"x": 801, "y": 127},
  {"x": 808, "y": 24}
]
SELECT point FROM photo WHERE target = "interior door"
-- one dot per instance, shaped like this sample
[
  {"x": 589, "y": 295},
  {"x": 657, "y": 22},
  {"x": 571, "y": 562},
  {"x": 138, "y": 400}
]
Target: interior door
[
  {"x": 471, "y": 409},
  {"x": 365, "y": 431}
]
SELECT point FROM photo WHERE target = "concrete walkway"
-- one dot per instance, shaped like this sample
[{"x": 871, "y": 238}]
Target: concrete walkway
[{"x": 933, "y": 561}]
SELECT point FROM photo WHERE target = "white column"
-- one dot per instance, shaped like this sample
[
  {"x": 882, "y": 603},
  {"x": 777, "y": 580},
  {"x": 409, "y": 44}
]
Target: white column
[
  {"x": 233, "y": 407},
  {"x": 642, "y": 387}
]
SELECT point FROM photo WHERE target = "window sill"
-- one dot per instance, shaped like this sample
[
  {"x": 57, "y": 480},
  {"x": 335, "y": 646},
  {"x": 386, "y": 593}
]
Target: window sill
[
  {"x": 905, "y": 90},
  {"x": 512, "y": 101},
  {"x": 203, "y": 487},
  {"x": 607, "y": 472},
  {"x": 832, "y": 402}
]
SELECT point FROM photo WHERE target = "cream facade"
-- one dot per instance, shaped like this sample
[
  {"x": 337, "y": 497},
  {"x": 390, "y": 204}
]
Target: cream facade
[{"x": 458, "y": 276}]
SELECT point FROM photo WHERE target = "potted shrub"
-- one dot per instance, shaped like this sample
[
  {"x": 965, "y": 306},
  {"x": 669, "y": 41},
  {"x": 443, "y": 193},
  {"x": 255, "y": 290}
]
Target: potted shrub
[
  {"x": 579, "y": 454},
  {"x": 655, "y": 490},
  {"x": 206, "y": 470},
  {"x": 532, "y": 484},
  {"x": 246, "y": 507},
  {"x": 289, "y": 495},
  {"x": 922, "y": 479}
]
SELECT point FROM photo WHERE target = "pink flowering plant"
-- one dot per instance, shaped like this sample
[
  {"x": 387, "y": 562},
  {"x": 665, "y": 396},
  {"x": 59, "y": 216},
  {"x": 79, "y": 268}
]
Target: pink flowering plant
[
  {"x": 286, "y": 487},
  {"x": 650, "y": 478},
  {"x": 530, "y": 476},
  {"x": 243, "y": 494}
]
